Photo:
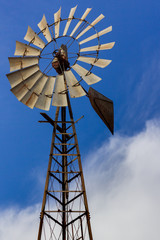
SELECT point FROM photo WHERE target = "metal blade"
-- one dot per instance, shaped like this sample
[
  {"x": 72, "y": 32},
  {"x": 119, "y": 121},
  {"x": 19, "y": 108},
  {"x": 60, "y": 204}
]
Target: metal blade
[
  {"x": 32, "y": 37},
  {"x": 88, "y": 77},
  {"x": 59, "y": 95},
  {"x": 74, "y": 87},
  {"x": 98, "y": 47},
  {"x": 20, "y": 62},
  {"x": 22, "y": 88},
  {"x": 107, "y": 30},
  {"x": 31, "y": 97},
  {"x": 57, "y": 17},
  {"x": 91, "y": 25},
  {"x": 94, "y": 61},
  {"x": 26, "y": 50},
  {"x": 81, "y": 20},
  {"x": 16, "y": 77},
  {"x": 69, "y": 20},
  {"x": 43, "y": 26},
  {"x": 44, "y": 100},
  {"x": 103, "y": 107}
]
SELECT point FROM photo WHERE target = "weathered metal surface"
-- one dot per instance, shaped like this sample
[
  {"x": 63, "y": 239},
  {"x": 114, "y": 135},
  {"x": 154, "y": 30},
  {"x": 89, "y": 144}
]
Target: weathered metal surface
[
  {"x": 75, "y": 89},
  {"x": 88, "y": 77},
  {"x": 80, "y": 21},
  {"x": 103, "y": 107},
  {"x": 22, "y": 88},
  {"x": 43, "y": 26},
  {"x": 59, "y": 96},
  {"x": 26, "y": 50},
  {"x": 91, "y": 25},
  {"x": 44, "y": 100},
  {"x": 105, "y": 46},
  {"x": 17, "y": 63},
  {"x": 57, "y": 17},
  {"x": 17, "y": 77},
  {"x": 106, "y": 30},
  {"x": 32, "y": 37},
  {"x": 94, "y": 61},
  {"x": 32, "y": 96},
  {"x": 70, "y": 17}
]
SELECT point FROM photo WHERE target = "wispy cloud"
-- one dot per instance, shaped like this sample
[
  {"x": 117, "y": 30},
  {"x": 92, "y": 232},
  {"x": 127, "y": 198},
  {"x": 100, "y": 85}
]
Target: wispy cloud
[{"x": 123, "y": 182}]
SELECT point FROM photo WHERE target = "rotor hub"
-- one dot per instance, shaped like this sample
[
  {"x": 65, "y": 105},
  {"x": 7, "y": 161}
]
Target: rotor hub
[{"x": 60, "y": 62}]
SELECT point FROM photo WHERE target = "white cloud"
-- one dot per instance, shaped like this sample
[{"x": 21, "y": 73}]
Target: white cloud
[
  {"x": 123, "y": 187},
  {"x": 125, "y": 194}
]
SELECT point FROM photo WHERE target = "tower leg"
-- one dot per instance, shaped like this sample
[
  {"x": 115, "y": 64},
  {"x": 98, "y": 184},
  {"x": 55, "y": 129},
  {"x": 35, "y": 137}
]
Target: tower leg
[{"x": 64, "y": 214}]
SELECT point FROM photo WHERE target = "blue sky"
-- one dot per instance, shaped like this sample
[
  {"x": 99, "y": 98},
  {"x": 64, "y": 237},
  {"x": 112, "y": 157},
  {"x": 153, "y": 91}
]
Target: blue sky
[{"x": 132, "y": 81}]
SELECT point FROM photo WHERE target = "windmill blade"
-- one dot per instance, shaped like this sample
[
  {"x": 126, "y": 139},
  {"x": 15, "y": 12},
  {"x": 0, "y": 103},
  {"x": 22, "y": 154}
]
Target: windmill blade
[
  {"x": 74, "y": 87},
  {"x": 16, "y": 77},
  {"x": 32, "y": 37},
  {"x": 106, "y": 30},
  {"x": 88, "y": 77},
  {"x": 20, "y": 62},
  {"x": 22, "y": 88},
  {"x": 81, "y": 20},
  {"x": 43, "y": 26},
  {"x": 103, "y": 107},
  {"x": 95, "y": 61},
  {"x": 91, "y": 25},
  {"x": 98, "y": 47},
  {"x": 59, "y": 95},
  {"x": 26, "y": 50},
  {"x": 57, "y": 17},
  {"x": 69, "y": 20},
  {"x": 44, "y": 100},
  {"x": 31, "y": 97}
]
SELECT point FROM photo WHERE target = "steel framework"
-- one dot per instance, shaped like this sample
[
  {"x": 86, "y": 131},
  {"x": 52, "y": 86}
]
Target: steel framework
[{"x": 64, "y": 214}]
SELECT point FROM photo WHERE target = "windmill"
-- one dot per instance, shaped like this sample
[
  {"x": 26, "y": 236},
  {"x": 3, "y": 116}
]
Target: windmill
[{"x": 52, "y": 74}]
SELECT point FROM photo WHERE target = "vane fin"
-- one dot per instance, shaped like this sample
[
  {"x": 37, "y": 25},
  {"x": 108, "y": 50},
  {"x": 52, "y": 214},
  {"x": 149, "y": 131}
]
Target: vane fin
[
  {"x": 81, "y": 20},
  {"x": 59, "y": 94},
  {"x": 57, "y": 17},
  {"x": 98, "y": 19},
  {"x": 26, "y": 50},
  {"x": 43, "y": 26},
  {"x": 32, "y": 37},
  {"x": 95, "y": 61},
  {"x": 17, "y": 63},
  {"x": 88, "y": 77},
  {"x": 74, "y": 87},
  {"x": 106, "y": 30},
  {"x": 44, "y": 100},
  {"x": 98, "y": 47},
  {"x": 69, "y": 20}
]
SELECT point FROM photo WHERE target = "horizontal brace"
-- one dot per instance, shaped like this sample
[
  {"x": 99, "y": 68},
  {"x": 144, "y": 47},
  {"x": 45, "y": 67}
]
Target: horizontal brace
[
  {"x": 61, "y": 144},
  {"x": 74, "y": 198},
  {"x": 51, "y": 174},
  {"x": 75, "y": 219},
  {"x": 64, "y": 133},
  {"x": 71, "y": 179},
  {"x": 52, "y": 219},
  {"x": 63, "y": 172},
  {"x": 66, "y": 191},
  {"x": 64, "y": 154},
  {"x": 54, "y": 198},
  {"x": 70, "y": 211}
]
